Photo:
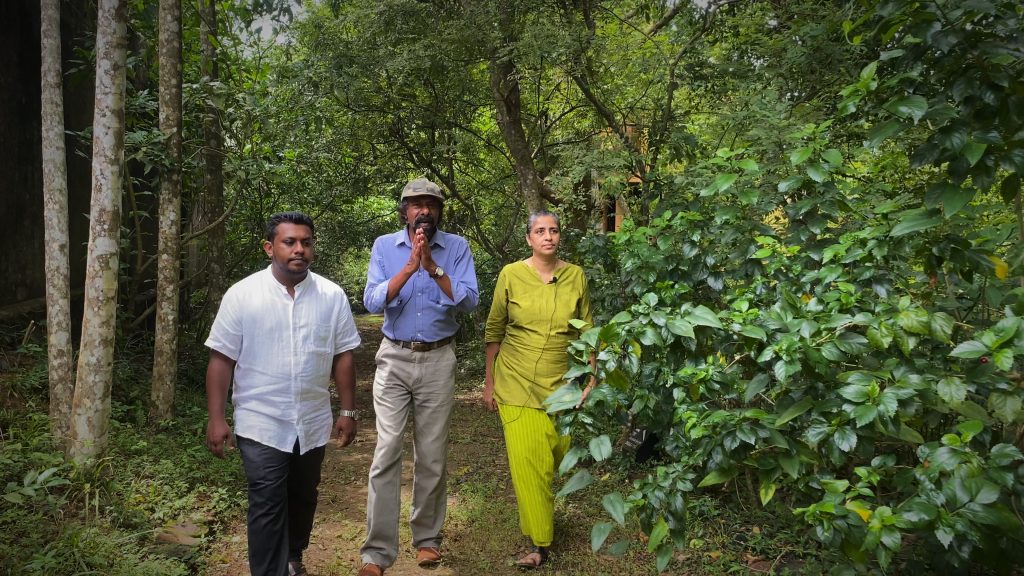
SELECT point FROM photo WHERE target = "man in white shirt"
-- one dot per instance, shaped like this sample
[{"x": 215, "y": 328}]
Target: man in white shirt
[{"x": 281, "y": 334}]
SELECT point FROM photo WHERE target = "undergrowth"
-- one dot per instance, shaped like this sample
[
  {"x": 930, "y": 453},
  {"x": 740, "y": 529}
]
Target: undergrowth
[{"x": 58, "y": 518}]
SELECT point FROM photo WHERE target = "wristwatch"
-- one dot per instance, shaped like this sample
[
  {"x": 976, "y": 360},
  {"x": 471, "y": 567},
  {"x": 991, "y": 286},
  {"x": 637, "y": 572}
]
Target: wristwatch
[
  {"x": 438, "y": 272},
  {"x": 353, "y": 414}
]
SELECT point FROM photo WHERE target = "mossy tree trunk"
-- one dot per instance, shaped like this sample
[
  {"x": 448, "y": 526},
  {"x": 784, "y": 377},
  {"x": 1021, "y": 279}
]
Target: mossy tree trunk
[
  {"x": 165, "y": 351},
  {"x": 213, "y": 160},
  {"x": 55, "y": 219},
  {"x": 91, "y": 404}
]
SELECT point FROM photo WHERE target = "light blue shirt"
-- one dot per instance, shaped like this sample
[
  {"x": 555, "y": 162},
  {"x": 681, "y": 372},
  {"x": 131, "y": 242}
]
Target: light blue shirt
[{"x": 421, "y": 311}]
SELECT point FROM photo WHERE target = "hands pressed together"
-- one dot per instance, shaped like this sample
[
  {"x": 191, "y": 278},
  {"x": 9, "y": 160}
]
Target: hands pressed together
[{"x": 420, "y": 256}]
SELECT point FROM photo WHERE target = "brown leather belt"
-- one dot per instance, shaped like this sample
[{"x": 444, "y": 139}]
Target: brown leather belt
[{"x": 423, "y": 346}]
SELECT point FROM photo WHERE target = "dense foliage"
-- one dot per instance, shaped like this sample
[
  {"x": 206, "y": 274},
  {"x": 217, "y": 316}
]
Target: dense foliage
[{"x": 831, "y": 322}]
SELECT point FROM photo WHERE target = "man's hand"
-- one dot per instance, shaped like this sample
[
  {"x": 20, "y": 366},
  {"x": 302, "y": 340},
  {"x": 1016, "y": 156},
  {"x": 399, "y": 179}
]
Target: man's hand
[
  {"x": 345, "y": 430},
  {"x": 426, "y": 259},
  {"x": 218, "y": 437},
  {"x": 413, "y": 264}
]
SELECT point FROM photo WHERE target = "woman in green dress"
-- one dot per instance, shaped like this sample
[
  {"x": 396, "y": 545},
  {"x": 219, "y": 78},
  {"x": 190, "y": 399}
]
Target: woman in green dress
[{"x": 527, "y": 334}]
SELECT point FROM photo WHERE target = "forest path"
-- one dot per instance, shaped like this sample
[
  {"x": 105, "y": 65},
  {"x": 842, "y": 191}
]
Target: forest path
[{"x": 481, "y": 533}]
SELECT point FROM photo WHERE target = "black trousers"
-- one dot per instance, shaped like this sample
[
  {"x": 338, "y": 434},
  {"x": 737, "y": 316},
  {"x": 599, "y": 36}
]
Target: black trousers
[{"x": 282, "y": 500}]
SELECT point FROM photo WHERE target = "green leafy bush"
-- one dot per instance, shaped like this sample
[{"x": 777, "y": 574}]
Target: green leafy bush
[{"x": 841, "y": 340}]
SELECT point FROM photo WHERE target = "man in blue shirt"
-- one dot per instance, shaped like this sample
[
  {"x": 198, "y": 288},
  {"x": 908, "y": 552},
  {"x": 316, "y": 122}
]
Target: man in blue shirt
[{"x": 420, "y": 277}]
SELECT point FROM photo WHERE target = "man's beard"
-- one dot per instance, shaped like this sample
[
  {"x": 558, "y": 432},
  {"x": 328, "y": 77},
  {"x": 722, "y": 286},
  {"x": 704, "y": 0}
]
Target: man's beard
[{"x": 426, "y": 223}]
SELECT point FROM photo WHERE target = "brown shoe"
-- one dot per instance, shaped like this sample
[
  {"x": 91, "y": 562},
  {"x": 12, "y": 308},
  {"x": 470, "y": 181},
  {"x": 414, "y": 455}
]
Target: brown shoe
[
  {"x": 295, "y": 568},
  {"x": 371, "y": 570},
  {"x": 428, "y": 557}
]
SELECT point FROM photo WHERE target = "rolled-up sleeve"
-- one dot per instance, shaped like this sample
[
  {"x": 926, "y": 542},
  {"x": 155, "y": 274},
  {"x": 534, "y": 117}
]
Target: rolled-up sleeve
[
  {"x": 375, "y": 295},
  {"x": 497, "y": 318},
  {"x": 465, "y": 295}
]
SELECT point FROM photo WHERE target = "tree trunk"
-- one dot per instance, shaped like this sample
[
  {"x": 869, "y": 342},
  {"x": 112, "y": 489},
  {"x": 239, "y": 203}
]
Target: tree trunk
[
  {"x": 165, "y": 348},
  {"x": 508, "y": 106},
  {"x": 91, "y": 405},
  {"x": 213, "y": 160},
  {"x": 55, "y": 217}
]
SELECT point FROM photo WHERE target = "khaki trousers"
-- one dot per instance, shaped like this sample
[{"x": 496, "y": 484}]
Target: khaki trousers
[{"x": 421, "y": 384}]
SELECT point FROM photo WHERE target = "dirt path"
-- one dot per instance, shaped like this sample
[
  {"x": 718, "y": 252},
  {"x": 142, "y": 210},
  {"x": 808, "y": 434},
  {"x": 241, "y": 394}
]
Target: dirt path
[{"x": 478, "y": 482}]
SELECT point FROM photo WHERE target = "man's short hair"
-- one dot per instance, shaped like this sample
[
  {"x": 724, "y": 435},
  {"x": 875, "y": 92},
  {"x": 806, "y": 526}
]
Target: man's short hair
[{"x": 297, "y": 218}]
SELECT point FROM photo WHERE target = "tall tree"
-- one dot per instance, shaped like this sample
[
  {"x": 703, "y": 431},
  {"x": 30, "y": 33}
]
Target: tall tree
[
  {"x": 165, "y": 352},
  {"x": 213, "y": 159},
  {"x": 91, "y": 404},
  {"x": 504, "y": 82},
  {"x": 55, "y": 214}
]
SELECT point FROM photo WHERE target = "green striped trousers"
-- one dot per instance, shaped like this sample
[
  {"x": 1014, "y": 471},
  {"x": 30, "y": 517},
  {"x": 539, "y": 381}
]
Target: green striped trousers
[{"x": 534, "y": 451}]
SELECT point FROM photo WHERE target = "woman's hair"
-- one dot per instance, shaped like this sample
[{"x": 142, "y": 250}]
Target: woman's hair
[{"x": 539, "y": 213}]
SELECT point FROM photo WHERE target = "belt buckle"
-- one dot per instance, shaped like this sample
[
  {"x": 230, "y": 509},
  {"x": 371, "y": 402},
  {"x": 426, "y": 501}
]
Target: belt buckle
[{"x": 419, "y": 346}]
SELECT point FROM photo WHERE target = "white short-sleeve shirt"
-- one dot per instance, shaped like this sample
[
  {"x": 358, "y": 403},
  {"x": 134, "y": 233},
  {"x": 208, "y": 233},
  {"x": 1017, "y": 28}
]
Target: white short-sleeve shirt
[{"x": 283, "y": 349}]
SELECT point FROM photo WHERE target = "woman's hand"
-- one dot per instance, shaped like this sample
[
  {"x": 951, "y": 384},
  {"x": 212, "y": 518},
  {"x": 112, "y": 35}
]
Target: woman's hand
[
  {"x": 586, "y": 391},
  {"x": 489, "y": 402}
]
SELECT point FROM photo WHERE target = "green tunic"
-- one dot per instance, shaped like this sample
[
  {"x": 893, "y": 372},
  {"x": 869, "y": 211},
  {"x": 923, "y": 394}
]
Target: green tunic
[{"x": 530, "y": 319}]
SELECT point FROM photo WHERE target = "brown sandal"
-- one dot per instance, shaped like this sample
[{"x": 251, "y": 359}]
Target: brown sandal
[{"x": 533, "y": 559}]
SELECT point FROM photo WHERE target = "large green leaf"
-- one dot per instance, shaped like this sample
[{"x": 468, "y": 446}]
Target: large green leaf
[
  {"x": 845, "y": 438},
  {"x": 791, "y": 183},
  {"x": 952, "y": 390},
  {"x": 755, "y": 386},
  {"x": 818, "y": 172},
  {"x": 854, "y": 393},
  {"x": 941, "y": 326},
  {"x": 754, "y": 332},
  {"x": 703, "y": 316},
  {"x": 1005, "y": 406},
  {"x": 973, "y": 151},
  {"x": 565, "y": 398},
  {"x": 717, "y": 476},
  {"x": 881, "y": 132},
  {"x": 852, "y": 343},
  {"x": 598, "y": 534},
  {"x": 793, "y": 411},
  {"x": 969, "y": 349},
  {"x": 800, "y": 155},
  {"x": 658, "y": 534},
  {"x": 615, "y": 506},
  {"x": 680, "y": 327},
  {"x": 914, "y": 320},
  {"x": 600, "y": 447},
  {"x": 579, "y": 481},
  {"x": 721, "y": 183},
  {"x": 571, "y": 458},
  {"x": 915, "y": 221},
  {"x": 955, "y": 198},
  {"x": 880, "y": 336},
  {"x": 913, "y": 107},
  {"x": 864, "y": 414}
]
